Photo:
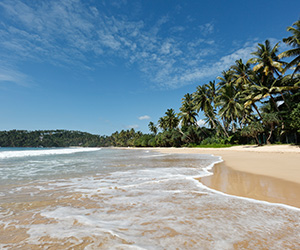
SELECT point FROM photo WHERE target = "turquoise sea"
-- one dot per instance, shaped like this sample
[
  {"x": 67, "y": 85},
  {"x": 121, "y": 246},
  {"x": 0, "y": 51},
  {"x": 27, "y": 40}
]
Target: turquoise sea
[{"x": 105, "y": 198}]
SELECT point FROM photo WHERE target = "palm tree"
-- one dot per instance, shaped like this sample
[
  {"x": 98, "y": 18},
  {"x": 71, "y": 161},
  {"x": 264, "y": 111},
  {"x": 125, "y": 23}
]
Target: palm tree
[
  {"x": 204, "y": 102},
  {"x": 227, "y": 77},
  {"x": 284, "y": 86},
  {"x": 261, "y": 78},
  {"x": 251, "y": 96},
  {"x": 240, "y": 74},
  {"x": 229, "y": 103},
  {"x": 266, "y": 60},
  {"x": 260, "y": 90},
  {"x": 162, "y": 123},
  {"x": 271, "y": 120},
  {"x": 171, "y": 119},
  {"x": 293, "y": 41},
  {"x": 188, "y": 112},
  {"x": 212, "y": 91},
  {"x": 152, "y": 128}
]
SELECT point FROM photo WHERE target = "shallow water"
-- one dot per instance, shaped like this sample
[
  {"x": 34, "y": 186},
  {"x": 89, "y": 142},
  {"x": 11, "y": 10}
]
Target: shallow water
[{"x": 129, "y": 199}]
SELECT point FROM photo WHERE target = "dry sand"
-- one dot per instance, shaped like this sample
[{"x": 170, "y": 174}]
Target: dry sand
[{"x": 270, "y": 173}]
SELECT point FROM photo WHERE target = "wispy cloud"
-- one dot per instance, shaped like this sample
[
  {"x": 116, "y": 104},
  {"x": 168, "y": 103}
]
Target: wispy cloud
[
  {"x": 9, "y": 75},
  {"x": 145, "y": 117},
  {"x": 207, "y": 28},
  {"x": 68, "y": 33}
]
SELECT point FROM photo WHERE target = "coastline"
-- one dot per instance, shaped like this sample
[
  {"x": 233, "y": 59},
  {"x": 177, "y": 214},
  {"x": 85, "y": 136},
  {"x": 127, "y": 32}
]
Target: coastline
[{"x": 268, "y": 173}]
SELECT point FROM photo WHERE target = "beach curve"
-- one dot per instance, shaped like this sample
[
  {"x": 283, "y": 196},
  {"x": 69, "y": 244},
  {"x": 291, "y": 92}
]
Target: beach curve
[{"x": 269, "y": 173}]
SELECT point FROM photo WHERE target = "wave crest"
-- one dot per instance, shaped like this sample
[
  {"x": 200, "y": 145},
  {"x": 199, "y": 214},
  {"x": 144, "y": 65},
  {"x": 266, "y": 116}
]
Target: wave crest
[{"x": 39, "y": 152}]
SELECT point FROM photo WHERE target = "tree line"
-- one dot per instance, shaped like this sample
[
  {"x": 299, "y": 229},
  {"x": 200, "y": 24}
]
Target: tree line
[
  {"x": 48, "y": 138},
  {"x": 69, "y": 138},
  {"x": 253, "y": 101},
  {"x": 257, "y": 101}
]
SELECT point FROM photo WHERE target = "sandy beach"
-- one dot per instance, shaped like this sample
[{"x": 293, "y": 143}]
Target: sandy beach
[
  {"x": 269, "y": 173},
  {"x": 109, "y": 198}
]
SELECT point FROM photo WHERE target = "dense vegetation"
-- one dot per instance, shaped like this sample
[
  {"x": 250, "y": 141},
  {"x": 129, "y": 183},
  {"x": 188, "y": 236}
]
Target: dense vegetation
[
  {"x": 67, "y": 138},
  {"x": 252, "y": 102},
  {"x": 48, "y": 138}
]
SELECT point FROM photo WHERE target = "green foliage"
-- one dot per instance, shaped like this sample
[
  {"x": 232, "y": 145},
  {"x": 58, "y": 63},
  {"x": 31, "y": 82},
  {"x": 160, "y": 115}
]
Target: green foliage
[
  {"x": 188, "y": 112},
  {"x": 214, "y": 146},
  {"x": 50, "y": 138},
  {"x": 295, "y": 118},
  {"x": 66, "y": 138},
  {"x": 253, "y": 130},
  {"x": 293, "y": 41},
  {"x": 169, "y": 121},
  {"x": 232, "y": 109},
  {"x": 215, "y": 140},
  {"x": 169, "y": 138}
]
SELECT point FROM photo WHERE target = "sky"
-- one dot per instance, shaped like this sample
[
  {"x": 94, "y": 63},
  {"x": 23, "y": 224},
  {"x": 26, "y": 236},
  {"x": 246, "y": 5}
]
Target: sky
[{"x": 103, "y": 66}]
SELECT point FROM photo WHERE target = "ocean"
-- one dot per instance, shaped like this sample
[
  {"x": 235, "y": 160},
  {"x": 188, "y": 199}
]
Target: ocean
[{"x": 105, "y": 198}]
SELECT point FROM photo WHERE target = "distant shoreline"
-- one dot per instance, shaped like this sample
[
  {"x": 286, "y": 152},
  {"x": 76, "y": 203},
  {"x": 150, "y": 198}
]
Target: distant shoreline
[{"x": 269, "y": 173}]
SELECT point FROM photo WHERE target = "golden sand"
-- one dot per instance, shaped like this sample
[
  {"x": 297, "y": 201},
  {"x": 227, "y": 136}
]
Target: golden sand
[
  {"x": 270, "y": 173},
  {"x": 264, "y": 173}
]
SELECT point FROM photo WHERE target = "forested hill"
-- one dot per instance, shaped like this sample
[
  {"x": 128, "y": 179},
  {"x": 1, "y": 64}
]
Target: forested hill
[
  {"x": 50, "y": 138},
  {"x": 69, "y": 138}
]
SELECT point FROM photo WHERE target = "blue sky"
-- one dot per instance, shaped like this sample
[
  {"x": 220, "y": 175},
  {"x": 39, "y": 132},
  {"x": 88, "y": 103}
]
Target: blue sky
[{"x": 102, "y": 66}]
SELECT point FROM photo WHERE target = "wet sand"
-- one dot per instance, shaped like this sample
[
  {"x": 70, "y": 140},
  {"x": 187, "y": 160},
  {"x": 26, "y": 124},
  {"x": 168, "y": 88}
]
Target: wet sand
[
  {"x": 154, "y": 205},
  {"x": 269, "y": 173}
]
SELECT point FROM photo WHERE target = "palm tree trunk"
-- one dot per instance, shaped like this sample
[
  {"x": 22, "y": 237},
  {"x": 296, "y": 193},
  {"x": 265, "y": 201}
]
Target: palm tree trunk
[
  {"x": 269, "y": 137},
  {"x": 272, "y": 98},
  {"x": 201, "y": 129},
  {"x": 223, "y": 129},
  {"x": 214, "y": 125},
  {"x": 256, "y": 138},
  {"x": 181, "y": 132},
  {"x": 257, "y": 111},
  {"x": 285, "y": 101}
]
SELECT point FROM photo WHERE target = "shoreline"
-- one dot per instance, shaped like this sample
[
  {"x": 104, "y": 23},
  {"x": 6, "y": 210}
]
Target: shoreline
[
  {"x": 259, "y": 187},
  {"x": 268, "y": 173}
]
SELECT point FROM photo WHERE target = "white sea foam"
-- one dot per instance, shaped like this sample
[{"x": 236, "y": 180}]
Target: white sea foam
[
  {"x": 156, "y": 205},
  {"x": 40, "y": 152}
]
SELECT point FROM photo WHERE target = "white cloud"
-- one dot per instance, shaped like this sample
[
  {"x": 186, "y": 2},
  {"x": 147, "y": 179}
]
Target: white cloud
[
  {"x": 206, "y": 29},
  {"x": 70, "y": 33},
  {"x": 145, "y": 117},
  {"x": 14, "y": 76},
  {"x": 73, "y": 33},
  {"x": 135, "y": 126},
  {"x": 201, "y": 123}
]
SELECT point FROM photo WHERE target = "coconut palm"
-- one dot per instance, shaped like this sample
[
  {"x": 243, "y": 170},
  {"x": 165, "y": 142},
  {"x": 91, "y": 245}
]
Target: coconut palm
[
  {"x": 240, "y": 74},
  {"x": 171, "y": 119},
  {"x": 266, "y": 60},
  {"x": 188, "y": 112},
  {"x": 152, "y": 128},
  {"x": 250, "y": 97},
  {"x": 204, "y": 102},
  {"x": 162, "y": 123},
  {"x": 227, "y": 77},
  {"x": 284, "y": 86},
  {"x": 269, "y": 89},
  {"x": 293, "y": 41},
  {"x": 228, "y": 101}
]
